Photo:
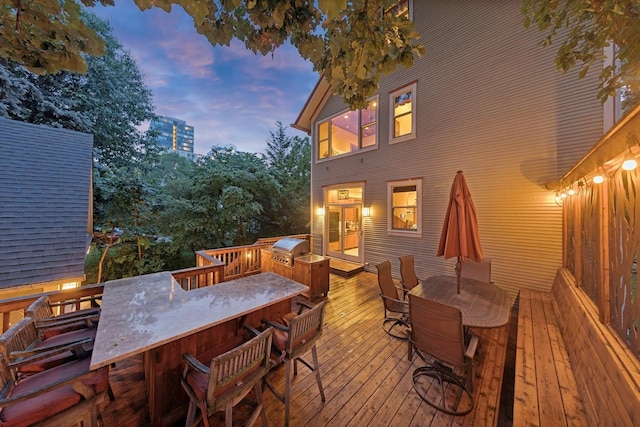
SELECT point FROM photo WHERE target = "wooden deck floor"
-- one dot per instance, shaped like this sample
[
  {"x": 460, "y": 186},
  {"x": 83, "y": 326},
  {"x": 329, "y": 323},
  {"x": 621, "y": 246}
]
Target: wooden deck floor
[{"x": 365, "y": 373}]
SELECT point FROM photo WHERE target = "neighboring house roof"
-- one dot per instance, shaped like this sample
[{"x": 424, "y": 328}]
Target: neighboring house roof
[
  {"x": 316, "y": 100},
  {"x": 45, "y": 203}
]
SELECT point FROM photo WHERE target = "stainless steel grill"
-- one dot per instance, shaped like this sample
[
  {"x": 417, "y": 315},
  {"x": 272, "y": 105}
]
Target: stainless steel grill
[{"x": 285, "y": 250}]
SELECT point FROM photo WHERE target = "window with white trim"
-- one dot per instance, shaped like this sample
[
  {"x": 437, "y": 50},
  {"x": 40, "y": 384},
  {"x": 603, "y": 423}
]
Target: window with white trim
[
  {"x": 402, "y": 110},
  {"x": 348, "y": 132},
  {"x": 404, "y": 202}
]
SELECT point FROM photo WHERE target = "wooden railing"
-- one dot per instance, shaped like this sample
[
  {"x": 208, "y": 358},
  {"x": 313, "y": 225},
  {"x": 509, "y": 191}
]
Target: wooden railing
[
  {"x": 199, "y": 277},
  {"x": 19, "y": 304},
  {"x": 240, "y": 261},
  {"x": 212, "y": 266}
]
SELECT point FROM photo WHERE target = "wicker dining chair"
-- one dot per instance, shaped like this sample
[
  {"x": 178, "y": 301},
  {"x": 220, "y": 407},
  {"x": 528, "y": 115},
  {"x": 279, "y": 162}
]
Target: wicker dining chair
[
  {"x": 438, "y": 338},
  {"x": 397, "y": 326},
  {"x": 408, "y": 277},
  {"x": 292, "y": 342},
  {"x": 227, "y": 380}
]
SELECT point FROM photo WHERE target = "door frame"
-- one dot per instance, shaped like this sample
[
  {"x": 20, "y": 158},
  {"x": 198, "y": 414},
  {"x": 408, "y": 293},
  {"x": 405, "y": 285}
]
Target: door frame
[{"x": 354, "y": 200}]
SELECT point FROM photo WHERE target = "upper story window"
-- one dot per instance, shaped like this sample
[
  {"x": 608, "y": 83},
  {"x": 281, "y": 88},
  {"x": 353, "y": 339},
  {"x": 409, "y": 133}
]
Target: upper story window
[
  {"x": 402, "y": 8},
  {"x": 404, "y": 201},
  {"x": 348, "y": 132},
  {"x": 402, "y": 108}
]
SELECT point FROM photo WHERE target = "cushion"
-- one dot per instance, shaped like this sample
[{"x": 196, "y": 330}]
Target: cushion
[
  {"x": 57, "y": 330},
  {"x": 60, "y": 358},
  {"x": 52, "y": 402}
]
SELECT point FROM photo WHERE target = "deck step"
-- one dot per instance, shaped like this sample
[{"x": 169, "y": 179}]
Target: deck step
[{"x": 344, "y": 268}]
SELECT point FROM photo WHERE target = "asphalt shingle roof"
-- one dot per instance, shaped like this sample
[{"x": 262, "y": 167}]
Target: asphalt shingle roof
[{"x": 45, "y": 191}]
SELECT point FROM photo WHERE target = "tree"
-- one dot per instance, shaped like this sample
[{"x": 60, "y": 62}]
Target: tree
[
  {"x": 289, "y": 160},
  {"x": 224, "y": 203},
  {"x": 110, "y": 100},
  {"x": 116, "y": 99},
  {"x": 585, "y": 29},
  {"x": 353, "y": 43}
]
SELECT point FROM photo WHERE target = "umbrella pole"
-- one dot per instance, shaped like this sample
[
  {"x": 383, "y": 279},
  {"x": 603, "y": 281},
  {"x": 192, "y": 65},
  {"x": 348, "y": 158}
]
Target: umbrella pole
[{"x": 458, "y": 272}]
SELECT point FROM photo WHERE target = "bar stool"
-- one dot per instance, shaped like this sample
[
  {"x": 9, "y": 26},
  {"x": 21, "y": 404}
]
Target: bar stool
[{"x": 294, "y": 341}]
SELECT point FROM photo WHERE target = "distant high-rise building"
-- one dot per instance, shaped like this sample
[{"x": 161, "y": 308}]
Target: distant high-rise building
[{"x": 174, "y": 135}]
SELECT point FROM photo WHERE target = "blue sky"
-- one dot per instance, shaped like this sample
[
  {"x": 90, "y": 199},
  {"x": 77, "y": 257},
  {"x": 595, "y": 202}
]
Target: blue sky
[{"x": 228, "y": 94}]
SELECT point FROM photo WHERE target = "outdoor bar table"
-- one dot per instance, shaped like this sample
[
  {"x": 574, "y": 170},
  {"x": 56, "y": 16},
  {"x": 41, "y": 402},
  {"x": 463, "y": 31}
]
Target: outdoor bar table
[
  {"x": 153, "y": 315},
  {"x": 483, "y": 305}
]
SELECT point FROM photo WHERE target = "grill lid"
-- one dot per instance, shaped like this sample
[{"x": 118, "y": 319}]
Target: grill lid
[{"x": 292, "y": 246}]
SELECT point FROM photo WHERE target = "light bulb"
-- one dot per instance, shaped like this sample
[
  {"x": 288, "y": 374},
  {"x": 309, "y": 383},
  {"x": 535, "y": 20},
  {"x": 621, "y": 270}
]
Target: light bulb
[
  {"x": 571, "y": 192},
  {"x": 629, "y": 162},
  {"x": 598, "y": 179}
]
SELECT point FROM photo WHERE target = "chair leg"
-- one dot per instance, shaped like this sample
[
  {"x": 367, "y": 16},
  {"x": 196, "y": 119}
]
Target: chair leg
[
  {"x": 258, "y": 388},
  {"x": 228, "y": 415},
  {"x": 205, "y": 414},
  {"x": 287, "y": 393},
  {"x": 316, "y": 369},
  {"x": 191, "y": 414}
]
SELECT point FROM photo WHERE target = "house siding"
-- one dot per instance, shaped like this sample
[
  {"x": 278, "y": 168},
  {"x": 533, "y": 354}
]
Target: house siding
[
  {"x": 490, "y": 103},
  {"x": 45, "y": 194}
]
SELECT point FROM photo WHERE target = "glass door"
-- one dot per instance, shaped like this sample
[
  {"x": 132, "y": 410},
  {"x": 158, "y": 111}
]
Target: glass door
[{"x": 344, "y": 226}]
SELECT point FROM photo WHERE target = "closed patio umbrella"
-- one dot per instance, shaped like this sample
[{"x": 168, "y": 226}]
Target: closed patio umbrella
[{"x": 459, "y": 236}]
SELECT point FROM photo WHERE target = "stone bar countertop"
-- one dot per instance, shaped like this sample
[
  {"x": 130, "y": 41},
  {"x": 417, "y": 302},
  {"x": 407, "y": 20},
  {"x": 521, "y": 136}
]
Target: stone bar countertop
[{"x": 144, "y": 312}]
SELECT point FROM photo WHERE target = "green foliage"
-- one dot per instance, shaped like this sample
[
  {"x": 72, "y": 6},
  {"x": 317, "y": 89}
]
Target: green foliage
[
  {"x": 289, "y": 160},
  {"x": 584, "y": 29},
  {"x": 47, "y": 35},
  {"x": 353, "y": 43},
  {"x": 110, "y": 100}
]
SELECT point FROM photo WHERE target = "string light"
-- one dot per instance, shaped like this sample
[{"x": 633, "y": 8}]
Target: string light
[{"x": 629, "y": 162}]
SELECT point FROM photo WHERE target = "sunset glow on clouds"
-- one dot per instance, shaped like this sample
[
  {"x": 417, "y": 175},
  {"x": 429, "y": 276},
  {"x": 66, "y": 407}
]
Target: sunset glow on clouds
[{"x": 228, "y": 94}]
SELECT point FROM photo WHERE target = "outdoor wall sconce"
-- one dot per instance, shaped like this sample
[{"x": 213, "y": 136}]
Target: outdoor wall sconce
[
  {"x": 320, "y": 211},
  {"x": 558, "y": 199},
  {"x": 366, "y": 211}
]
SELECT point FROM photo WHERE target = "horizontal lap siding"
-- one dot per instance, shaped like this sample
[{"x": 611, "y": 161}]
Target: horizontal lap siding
[{"x": 490, "y": 103}]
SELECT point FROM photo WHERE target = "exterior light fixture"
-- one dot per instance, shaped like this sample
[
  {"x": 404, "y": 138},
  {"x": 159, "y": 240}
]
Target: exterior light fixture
[
  {"x": 598, "y": 179},
  {"x": 320, "y": 211},
  {"x": 629, "y": 163},
  {"x": 558, "y": 199},
  {"x": 571, "y": 192},
  {"x": 366, "y": 211}
]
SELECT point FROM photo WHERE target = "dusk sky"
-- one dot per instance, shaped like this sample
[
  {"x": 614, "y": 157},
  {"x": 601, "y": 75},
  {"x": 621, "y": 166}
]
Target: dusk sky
[{"x": 228, "y": 94}]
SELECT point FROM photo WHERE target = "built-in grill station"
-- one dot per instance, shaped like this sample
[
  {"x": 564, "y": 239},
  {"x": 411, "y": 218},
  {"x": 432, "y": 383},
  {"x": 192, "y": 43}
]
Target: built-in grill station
[
  {"x": 287, "y": 249},
  {"x": 290, "y": 257}
]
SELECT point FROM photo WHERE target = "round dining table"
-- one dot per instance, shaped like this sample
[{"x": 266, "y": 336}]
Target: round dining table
[{"x": 483, "y": 305}]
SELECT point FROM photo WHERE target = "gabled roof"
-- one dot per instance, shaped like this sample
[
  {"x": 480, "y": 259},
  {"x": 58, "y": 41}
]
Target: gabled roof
[
  {"x": 316, "y": 100},
  {"x": 45, "y": 202}
]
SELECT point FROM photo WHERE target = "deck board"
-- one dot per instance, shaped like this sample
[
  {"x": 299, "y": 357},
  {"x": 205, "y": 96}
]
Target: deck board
[{"x": 365, "y": 373}]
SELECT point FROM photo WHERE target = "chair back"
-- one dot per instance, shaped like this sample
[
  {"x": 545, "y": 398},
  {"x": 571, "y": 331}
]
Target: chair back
[
  {"x": 477, "y": 270},
  {"x": 40, "y": 309},
  {"x": 304, "y": 330},
  {"x": 408, "y": 272},
  {"x": 385, "y": 281},
  {"x": 18, "y": 337},
  {"x": 238, "y": 369},
  {"x": 437, "y": 330}
]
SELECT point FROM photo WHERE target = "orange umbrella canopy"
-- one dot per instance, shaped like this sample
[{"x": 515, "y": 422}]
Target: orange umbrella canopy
[{"x": 460, "y": 236}]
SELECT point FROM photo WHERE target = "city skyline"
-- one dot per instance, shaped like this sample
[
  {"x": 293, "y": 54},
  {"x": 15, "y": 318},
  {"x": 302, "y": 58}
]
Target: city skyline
[{"x": 227, "y": 93}]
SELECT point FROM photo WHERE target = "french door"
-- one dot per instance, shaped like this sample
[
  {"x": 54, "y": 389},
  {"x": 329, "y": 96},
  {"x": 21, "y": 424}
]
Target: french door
[{"x": 344, "y": 227}]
